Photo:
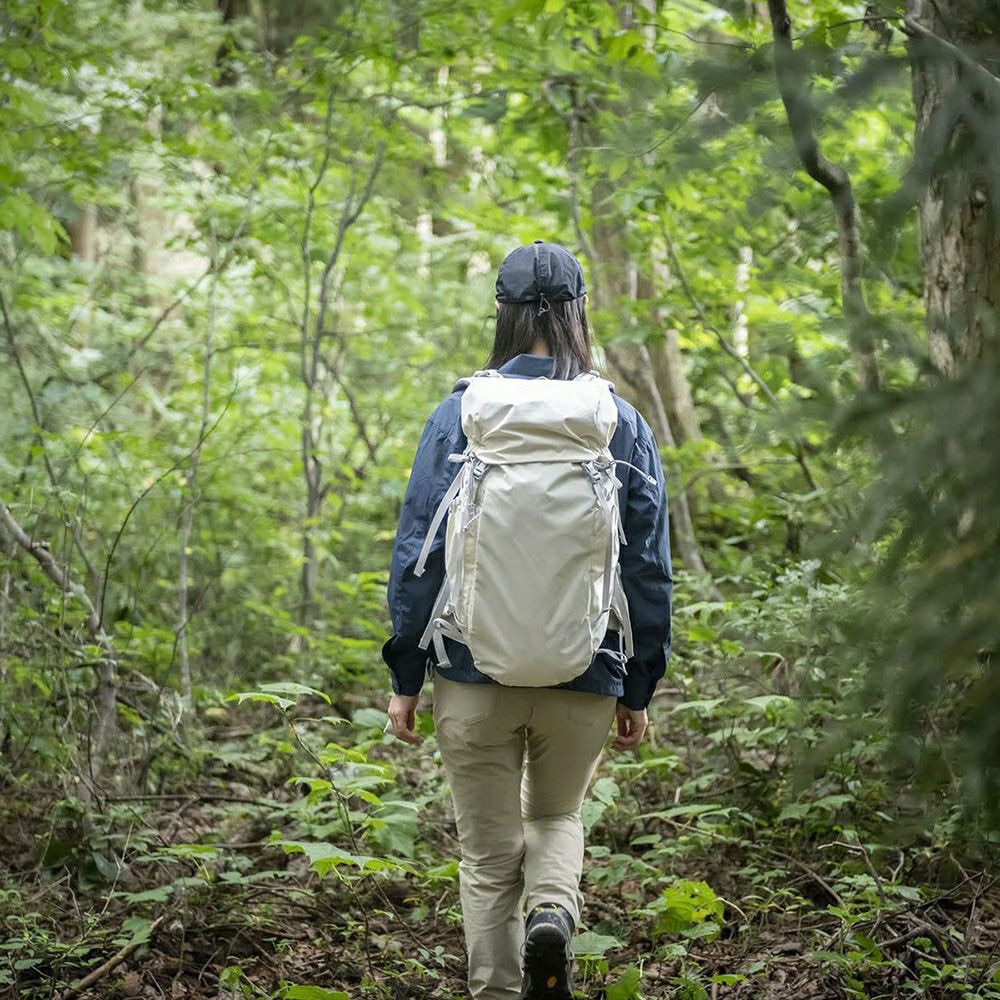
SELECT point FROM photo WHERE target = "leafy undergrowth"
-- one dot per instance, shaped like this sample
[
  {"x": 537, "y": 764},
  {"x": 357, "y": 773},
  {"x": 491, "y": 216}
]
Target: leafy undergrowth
[{"x": 289, "y": 852}]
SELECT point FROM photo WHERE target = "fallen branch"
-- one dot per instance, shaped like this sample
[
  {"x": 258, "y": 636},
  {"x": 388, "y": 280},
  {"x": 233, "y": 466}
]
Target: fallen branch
[
  {"x": 198, "y": 797},
  {"x": 811, "y": 872},
  {"x": 921, "y": 929},
  {"x": 110, "y": 965}
]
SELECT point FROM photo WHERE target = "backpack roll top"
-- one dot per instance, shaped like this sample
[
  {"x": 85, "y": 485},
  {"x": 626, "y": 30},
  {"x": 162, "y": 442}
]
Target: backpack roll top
[
  {"x": 532, "y": 582},
  {"x": 538, "y": 420}
]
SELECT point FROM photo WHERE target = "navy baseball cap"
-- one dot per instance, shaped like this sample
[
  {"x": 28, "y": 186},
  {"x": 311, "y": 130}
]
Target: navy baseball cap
[{"x": 540, "y": 272}]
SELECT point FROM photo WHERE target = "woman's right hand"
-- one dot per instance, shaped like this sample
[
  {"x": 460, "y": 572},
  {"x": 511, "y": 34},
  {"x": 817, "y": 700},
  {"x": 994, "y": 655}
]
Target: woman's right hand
[
  {"x": 631, "y": 727},
  {"x": 402, "y": 714}
]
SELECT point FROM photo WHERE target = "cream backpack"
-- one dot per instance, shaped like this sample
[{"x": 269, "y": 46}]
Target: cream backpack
[{"x": 532, "y": 581}]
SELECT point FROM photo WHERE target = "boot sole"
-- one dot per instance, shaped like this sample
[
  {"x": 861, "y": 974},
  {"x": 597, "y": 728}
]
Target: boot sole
[{"x": 545, "y": 966}]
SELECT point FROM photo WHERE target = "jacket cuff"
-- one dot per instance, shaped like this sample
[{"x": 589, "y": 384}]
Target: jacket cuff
[
  {"x": 644, "y": 673},
  {"x": 407, "y": 664},
  {"x": 637, "y": 699}
]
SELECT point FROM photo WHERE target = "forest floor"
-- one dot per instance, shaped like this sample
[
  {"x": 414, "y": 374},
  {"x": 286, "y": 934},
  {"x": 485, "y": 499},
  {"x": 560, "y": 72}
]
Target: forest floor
[{"x": 191, "y": 885}]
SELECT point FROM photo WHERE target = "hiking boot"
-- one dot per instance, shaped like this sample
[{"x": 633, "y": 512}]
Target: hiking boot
[{"x": 548, "y": 958}]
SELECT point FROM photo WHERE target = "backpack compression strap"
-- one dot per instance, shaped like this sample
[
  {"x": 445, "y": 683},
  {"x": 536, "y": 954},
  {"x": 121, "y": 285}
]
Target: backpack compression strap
[{"x": 439, "y": 515}]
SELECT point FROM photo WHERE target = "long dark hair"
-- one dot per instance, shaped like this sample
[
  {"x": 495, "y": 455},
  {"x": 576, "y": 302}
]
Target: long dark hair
[{"x": 563, "y": 327}]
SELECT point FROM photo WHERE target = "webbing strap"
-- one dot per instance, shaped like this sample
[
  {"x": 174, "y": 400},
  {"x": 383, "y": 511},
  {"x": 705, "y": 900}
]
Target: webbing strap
[
  {"x": 613, "y": 593},
  {"x": 628, "y": 644},
  {"x": 613, "y": 527},
  {"x": 615, "y": 656},
  {"x": 439, "y": 515},
  {"x": 439, "y": 650},
  {"x": 443, "y": 627},
  {"x": 439, "y": 602},
  {"x": 609, "y": 560}
]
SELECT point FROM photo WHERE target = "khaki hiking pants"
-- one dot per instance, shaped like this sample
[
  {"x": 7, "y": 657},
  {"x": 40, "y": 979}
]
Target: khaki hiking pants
[{"x": 518, "y": 761}]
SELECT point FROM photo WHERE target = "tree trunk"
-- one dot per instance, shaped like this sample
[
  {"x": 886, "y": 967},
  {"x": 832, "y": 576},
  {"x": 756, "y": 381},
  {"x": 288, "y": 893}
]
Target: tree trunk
[
  {"x": 615, "y": 279},
  {"x": 82, "y": 232},
  {"x": 957, "y": 142},
  {"x": 312, "y": 328},
  {"x": 668, "y": 364},
  {"x": 188, "y": 505}
]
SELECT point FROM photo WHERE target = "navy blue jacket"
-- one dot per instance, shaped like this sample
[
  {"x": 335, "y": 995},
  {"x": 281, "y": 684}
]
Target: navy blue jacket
[{"x": 645, "y": 560}]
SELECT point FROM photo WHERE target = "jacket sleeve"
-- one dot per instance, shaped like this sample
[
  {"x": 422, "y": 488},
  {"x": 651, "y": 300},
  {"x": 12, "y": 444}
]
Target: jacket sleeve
[
  {"x": 411, "y": 598},
  {"x": 646, "y": 572}
]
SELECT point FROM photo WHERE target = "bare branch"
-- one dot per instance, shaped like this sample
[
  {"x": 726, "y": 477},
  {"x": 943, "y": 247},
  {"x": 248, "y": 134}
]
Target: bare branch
[
  {"x": 800, "y": 448},
  {"x": 37, "y": 416},
  {"x": 792, "y": 84},
  {"x": 107, "y": 683},
  {"x": 214, "y": 268},
  {"x": 179, "y": 464},
  {"x": 357, "y": 414},
  {"x": 983, "y": 77},
  {"x": 352, "y": 211}
]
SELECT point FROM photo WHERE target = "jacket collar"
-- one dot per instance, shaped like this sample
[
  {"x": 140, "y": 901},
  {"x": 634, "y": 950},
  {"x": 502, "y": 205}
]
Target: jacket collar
[{"x": 528, "y": 366}]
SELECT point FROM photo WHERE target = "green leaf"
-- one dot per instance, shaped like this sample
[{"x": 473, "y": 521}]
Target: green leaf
[
  {"x": 531, "y": 7},
  {"x": 626, "y": 987},
  {"x": 689, "y": 908},
  {"x": 230, "y": 977},
  {"x": 369, "y": 718},
  {"x": 270, "y": 699},
  {"x": 618, "y": 167},
  {"x": 592, "y": 945},
  {"x": 702, "y": 707},
  {"x": 645, "y": 63},
  {"x": 764, "y": 702},
  {"x": 625, "y": 45},
  {"x": 274, "y": 694},
  {"x": 605, "y": 790},
  {"x": 701, "y": 633},
  {"x": 291, "y": 688},
  {"x": 324, "y": 858},
  {"x": 158, "y": 895},
  {"x": 591, "y": 812},
  {"x": 795, "y": 810},
  {"x": 839, "y": 32},
  {"x": 140, "y": 929},
  {"x": 313, "y": 993},
  {"x": 447, "y": 872}
]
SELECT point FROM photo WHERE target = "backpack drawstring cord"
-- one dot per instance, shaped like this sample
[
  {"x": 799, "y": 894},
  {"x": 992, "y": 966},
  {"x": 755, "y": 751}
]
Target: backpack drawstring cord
[{"x": 645, "y": 475}]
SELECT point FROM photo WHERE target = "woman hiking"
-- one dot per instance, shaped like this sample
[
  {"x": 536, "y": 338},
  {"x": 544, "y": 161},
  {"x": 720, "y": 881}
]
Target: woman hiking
[{"x": 531, "y": 579}]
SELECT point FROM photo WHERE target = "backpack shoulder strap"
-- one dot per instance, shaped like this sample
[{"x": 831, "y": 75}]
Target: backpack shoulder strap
[
  {"x": 464, "y": 383},
  {"x": 594, "y": 376}
]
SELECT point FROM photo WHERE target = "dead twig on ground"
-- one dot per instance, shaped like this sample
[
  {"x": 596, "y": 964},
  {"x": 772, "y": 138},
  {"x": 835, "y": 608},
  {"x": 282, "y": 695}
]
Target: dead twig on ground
[{"x": 96, "y": 975}]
